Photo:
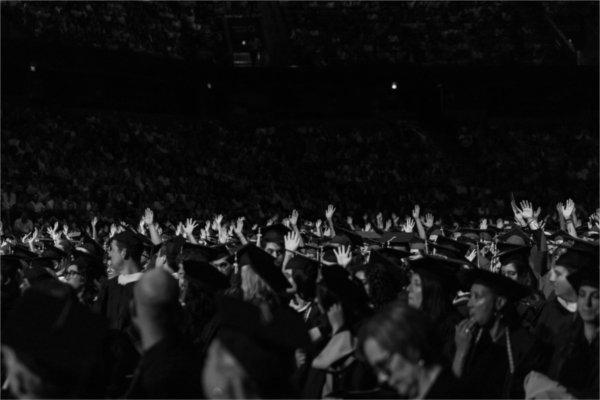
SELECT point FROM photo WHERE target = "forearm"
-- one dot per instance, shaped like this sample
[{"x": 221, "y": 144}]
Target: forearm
[
  {"x": 295, "y": 229},
  {"x": 420, "y": 229},
  {"x": 330, "y": 222},
  {"x": 571, "y": 228},
  {"x": 242, "y": 238},
  {"x": 286, "y": 259},
  {"x": 458, "y": 363},
  {"x": 154, "y": 236}
]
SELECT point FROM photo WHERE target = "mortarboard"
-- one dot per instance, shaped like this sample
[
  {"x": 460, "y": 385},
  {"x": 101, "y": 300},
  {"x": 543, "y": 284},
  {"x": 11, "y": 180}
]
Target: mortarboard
[
  {"x": 205, "y": 274},
  {"x": 515, "y": 236},
  {"x": 439, "y": 269},
  {"x": 576, "y": 258},
  {"x": 43, "y": 262},
  {"x": 338, "y": 280},
  {"x": 586, "y": 276},
  {"x": 500, "y": 284},
  {"x": 352, "y": 237},
  {"x": 519, "y": 255},
  {"x": 274, "y": 233},
  {"x": 460, "y": 248},
  {"x": 263, "y": 265},
  {"x": 54, "y": 253},
  {"x": 23, "y": 253}
]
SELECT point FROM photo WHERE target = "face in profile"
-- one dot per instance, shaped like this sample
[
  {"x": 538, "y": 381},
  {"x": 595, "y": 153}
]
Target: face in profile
[
  {"x": 116, "y": 256},
  {"x": 562, "y": 287},
  {"x": 74, "y": 277},
  {"x": 393, "y": 369},
  {"x": 415, "y": 291},
  {"x": 481, "y": 304},
  {"x": 587, "y": 303},
  {"x": 510, "y": 271}
]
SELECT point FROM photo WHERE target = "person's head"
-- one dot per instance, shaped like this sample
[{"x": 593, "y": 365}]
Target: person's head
[
  {"x": 585, "y": 283},
  {"x": 520, "y": 272},
  {"x": 79, "y": 275},
  {"x": 484, "y": 304},
  {"x": 565, "y": 265},
  {"x": 254, "y": 288},
  {"x": 125, "y": 248},
  {"x": 381, "y": 286},
  {"x": 155, "y": 300},
  {"x": 276, "y": 250},
  {"x": 400, "y": 344}
]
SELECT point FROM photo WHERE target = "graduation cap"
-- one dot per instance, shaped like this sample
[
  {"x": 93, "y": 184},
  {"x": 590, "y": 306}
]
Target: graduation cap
[
  {"x": 23, "y": 252},
  {"x": 576, "y": 258},
  {"x": 299, "y": 262},
  {"x": 586, "y": 276},
  {"x": 52, "y": 329},
  {"x": 196, "y": 252},
  {"x": 460, "y": 248},
  {"x": 37, "y": 274},
  {"x": 350, "y": 236},
  {"x": 274, "y": 233},
  {"x": 500, "y": 284},
  {"x": 515, "y": 236},
  {"x": 263, "y": 265},
  {"x": 92, "y": 246},
  {"x": 205, "y": 274},
  {"x": 43, "y": 262},
  {"x": 388, "y": 256},
  {"x": 477, "y": 234},
  {"x": 54, "y": 252},
  {"x": 304, "y": 273},
  {"x": 220, "y": 252},
  {"x": 10, "y": 264},
  {"x": 518, "y": 255},
  {"x": 438, "y": 269}
]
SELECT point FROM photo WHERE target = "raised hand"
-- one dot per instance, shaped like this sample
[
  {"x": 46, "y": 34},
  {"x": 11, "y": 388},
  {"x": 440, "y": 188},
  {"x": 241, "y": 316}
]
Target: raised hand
[
  {"x": 239, "y": 226},
  {"x": 349, "y": 221},
  {"x": 527, "y": 210},
  {"x": 519, "y": 219},
  {"x": 537, "y": 212},
  {"x": 395, "y": 219},
  {"x": 327, "y": 232},
  {"x": 207, "y": 227},
  {"x": 294, "y": 218},
  {"x": 428, "y": 221},
  {"x": 471, "y": 255},
  {"x": 189, "y": 227},
  {"x": 483, "y": 224},
  {"x": 142, "y": 226},
  {"x": 292, "y": 241},
  {"x": 94, "y": 221},
  {"x": 388, "y": 224},
  {"x": 343, "y": 255},
  {"x": 113, "y": 230},
  {"x": 179, "y": 230},
  {"x": 567, "y": 209},
  {"x": 148, "y": 217},
  {"x": 416, "y": 211},
  {"x": 318, "y": 224},
  {"x": 499, "y": 223},
  {"x": 409, "y": 225},
  {"x": 286, "y": 223},
  {"x": 368, "y": 227},
  {"x": 329, "y": 212},
  {"x": 219, "y": 219},
  {"x": 379, "y": 218}
]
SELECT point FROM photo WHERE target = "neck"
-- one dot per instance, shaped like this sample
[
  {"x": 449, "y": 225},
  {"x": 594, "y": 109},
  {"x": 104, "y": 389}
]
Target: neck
[
  {"x": 130, "y": 268},
  {"x": 590, "y": 330},
  {"x": 497, "y": 329},
  {"x": 427, "y": 378},
  {"x": 570, "y": 298},
  {"x": 150, "y": 335}
]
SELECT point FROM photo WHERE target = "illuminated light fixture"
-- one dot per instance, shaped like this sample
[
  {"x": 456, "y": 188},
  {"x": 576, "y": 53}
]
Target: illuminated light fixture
[{"x": 394, "y": 86}]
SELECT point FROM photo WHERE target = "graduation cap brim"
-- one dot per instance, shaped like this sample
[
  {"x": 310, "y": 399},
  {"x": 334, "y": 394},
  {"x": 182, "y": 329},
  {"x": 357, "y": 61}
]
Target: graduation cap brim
[
  {"x": 584, "y": 277},
  {"x": 515, "y": 234},
  {"x": 441, "y": 269},
  {"x": 263, "y": 264},
  {"x": 500, "y": 284},
  {"x": 23, "y": 253},
  {"x": 206, "y": 274},
  {"x": 355, "y": 239},
  {"x": 516, "y": 254}
]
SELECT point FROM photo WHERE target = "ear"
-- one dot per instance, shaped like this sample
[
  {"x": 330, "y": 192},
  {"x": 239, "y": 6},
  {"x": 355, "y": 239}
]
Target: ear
[{"x": 500, "y": 302}]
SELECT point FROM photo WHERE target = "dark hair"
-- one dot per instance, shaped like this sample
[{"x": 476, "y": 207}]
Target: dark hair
[
  {"x": 132, "y": 245},
  {"x": 382, "y": 284},
  {"x": 437, "y": 302},
  {"x": 306, "y": 283},
  {"x": 401, "y": 329},
  {"x": 90, "y": 274}
]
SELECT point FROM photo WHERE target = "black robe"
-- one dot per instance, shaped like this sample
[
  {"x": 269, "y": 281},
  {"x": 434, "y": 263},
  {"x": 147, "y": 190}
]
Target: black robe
[
  {"x": 113, "y": 303},
  {"x": 169, "y": 369},
  {"x": 486, "y": 373},
  {"x": 575, "y": 365},
  {"x": 553, "y": 327},
  {"x": 445, "y": 386}
]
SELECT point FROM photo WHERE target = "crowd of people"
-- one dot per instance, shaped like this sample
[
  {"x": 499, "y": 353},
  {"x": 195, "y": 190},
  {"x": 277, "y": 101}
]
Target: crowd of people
[
  {"x": 324, "y": 33},
  {"x": 183, "y": 167},
  {"x": 302, "y": 307}
]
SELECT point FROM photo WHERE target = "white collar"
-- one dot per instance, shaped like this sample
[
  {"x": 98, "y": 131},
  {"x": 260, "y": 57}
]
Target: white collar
[
  {"x": 571, "y": 307},
  {"x": 125, "y": 279}
]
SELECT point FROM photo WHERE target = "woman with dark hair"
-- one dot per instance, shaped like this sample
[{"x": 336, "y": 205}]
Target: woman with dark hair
[
  {"x": 82, "y": 277},
  {"x": 335, "y": 367},
  {"x": 432, "y": 288},
  {"x": 494, "y": 352},
  {"x": 402, "y": 346},
  {"x": 514, "y": 264}
]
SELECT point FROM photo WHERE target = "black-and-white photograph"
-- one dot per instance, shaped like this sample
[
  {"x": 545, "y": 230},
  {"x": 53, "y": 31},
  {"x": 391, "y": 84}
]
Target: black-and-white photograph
[{"x": 299, "y": 200}]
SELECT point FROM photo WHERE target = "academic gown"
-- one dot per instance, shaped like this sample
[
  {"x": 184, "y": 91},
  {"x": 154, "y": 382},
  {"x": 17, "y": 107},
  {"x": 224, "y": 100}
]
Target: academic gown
[
  {"x": 169, "y": 369},
  {"x": 553, "y": 326},
  {"x": 486, "y": 373},
  {"x": 445, "y": 386},
  {"x": 113, "y": 303},
  {"x": 575, "y": 365}
]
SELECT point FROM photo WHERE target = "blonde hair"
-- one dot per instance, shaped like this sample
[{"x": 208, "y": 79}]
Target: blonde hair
[{"x": 255, "y": 289}]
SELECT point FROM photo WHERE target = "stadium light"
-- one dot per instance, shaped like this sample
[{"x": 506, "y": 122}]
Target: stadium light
[{"x": 394, "y": 86}]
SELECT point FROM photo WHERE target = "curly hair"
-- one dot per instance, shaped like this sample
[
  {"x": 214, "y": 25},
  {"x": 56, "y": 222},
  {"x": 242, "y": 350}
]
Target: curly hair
[{"x": 382, "y": 285}]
